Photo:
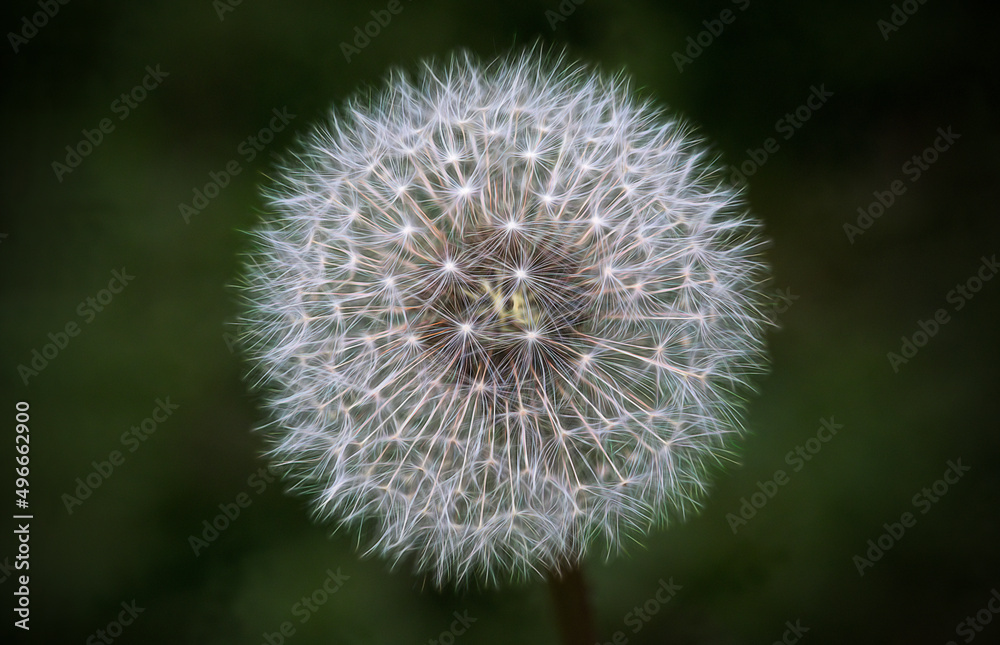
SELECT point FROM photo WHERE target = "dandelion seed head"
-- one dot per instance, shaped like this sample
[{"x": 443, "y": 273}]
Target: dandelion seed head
[{"x": 502, "y": 313}]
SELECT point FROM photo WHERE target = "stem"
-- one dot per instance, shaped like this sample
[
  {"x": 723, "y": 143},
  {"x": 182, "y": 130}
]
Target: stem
[{"x": 569, "y": 596}]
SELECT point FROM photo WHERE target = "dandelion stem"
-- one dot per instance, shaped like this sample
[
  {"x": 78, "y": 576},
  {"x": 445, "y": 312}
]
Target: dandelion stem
[{"x": 572, "y": 605}]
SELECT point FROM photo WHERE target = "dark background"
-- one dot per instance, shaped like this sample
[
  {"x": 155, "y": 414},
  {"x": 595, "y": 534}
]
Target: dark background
[{"x": 846, "y": 305}]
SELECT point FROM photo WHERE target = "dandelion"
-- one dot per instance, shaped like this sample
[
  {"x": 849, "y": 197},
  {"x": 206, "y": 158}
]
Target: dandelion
[{"x": 503, "y": 313}]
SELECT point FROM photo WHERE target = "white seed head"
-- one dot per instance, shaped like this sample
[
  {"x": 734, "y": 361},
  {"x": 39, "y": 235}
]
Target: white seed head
[{"x": 502, "y": 313}]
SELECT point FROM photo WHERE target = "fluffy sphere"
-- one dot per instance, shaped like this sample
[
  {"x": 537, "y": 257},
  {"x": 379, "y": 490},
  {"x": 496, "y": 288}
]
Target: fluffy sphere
[{"x": 501, "y": 313}]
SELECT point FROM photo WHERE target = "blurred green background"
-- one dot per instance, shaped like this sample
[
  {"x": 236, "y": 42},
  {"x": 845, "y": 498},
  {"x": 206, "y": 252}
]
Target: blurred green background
[{"x": 845, "y": 304}]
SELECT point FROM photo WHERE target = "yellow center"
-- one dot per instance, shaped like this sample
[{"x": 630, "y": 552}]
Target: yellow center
[{"x": 515, "y": 312}]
